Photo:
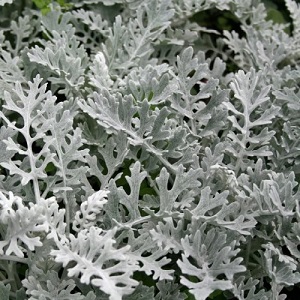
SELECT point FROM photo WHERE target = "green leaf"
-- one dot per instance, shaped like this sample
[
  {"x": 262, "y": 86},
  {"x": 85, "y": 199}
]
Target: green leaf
[
  {"x": 21, "y": 294},
  {"x": 41, "y": 4},
  {"x": 4, "y": 291},
  {"x": 217, "y": 295}
]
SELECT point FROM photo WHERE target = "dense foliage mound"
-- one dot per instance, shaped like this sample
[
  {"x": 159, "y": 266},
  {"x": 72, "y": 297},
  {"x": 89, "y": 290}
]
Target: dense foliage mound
[{"x": 149, "y": 149}]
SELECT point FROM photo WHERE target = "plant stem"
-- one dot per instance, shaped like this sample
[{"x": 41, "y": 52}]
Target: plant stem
[
  {"x": 15, "y": 259},
  {"x": 248, "y": 253}
]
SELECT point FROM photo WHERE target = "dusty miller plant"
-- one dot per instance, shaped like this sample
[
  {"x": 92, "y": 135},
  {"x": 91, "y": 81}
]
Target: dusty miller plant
[{"x": 144, "y": 156}]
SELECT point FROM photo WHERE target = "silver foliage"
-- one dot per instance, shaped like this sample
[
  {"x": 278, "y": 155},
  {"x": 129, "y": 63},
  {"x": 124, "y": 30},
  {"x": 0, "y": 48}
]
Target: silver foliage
[{"x": 139, "y": 148}]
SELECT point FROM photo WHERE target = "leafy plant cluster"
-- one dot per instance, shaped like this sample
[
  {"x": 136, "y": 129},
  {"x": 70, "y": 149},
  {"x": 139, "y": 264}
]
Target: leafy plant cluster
[{"x": 147, "y": 153}]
